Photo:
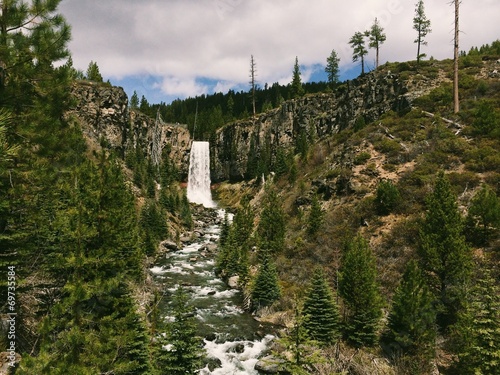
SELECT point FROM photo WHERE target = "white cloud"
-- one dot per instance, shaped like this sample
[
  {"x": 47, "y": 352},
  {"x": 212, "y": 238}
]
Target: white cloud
[{"x": 184, "y": 42}]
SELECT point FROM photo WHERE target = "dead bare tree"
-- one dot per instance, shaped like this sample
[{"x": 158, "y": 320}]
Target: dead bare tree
[
  {"x": 252, "y": 81},
  {"x": 456, "y": 102}
]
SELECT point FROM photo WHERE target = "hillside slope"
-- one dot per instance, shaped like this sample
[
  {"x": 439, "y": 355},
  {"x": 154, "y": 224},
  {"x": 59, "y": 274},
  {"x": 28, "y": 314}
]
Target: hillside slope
[{"x": 347, "y": 169}]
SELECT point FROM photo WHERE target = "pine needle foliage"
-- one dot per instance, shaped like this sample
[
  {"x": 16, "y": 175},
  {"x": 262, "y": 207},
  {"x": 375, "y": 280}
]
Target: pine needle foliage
[
  {"x": 359, "y": 289},
  {"x": 321, "y": 315}
]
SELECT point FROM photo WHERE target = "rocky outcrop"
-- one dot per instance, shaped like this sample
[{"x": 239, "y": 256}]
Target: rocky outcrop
[
  {"x": 315, "y": 116},
  {"x": 103, "y": 113}
]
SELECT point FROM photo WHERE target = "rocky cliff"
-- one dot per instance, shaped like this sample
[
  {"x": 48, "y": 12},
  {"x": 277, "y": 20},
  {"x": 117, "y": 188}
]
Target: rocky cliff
[
  {"x": 105, "y": 118},
  {"x": 319, "y": 115}
]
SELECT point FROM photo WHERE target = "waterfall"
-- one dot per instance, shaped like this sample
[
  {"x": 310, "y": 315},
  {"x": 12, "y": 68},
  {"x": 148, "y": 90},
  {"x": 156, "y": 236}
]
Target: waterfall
[{"x": 198, "y": 189}]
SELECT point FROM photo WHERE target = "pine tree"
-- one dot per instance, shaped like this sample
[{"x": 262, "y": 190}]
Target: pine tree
[
  {"x": 423, "y": 27},
  {"x": 477, "y": 332},
  {"x": 360, "y": 291},
  {"x": 179, "y": 350},
  {"x": 357, "y": 43},
  {"x": 484, "y": 215},
  {"x": 412, "y": 319},
  {"x": 93, "y": 73},
  {"x": 265, "y": 288},
  {"x": 315, "y": 219},
  {"x": 134, "y": 100},
  {"x": 321, "y": 316},
  {"x": 304, "y": 350},
  {"x": 271, "y": 228},
  {"x": 445, "y": 256},
  {"x": 332, "y": 67},
  {"x": 376, "y": 38},
  {"x": 296, "y": 89}
]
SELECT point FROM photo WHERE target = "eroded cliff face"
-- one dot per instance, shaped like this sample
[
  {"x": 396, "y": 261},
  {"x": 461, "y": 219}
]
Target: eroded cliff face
[
  {"x": 316, "y": 116},
  {"x": 105, "y": 118}
]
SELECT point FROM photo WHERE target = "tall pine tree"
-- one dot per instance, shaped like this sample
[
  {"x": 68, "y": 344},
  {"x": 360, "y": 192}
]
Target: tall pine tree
[
  {"x": 265, "y": 288},
  {"x": 359, "y": 289},
  {"x": 477, "y": 332},
  {"x": 321, "y": 315},
  {"x": 444, "y": 254},
  {"x": 412, "y": 320},
  {"x": 179, "y": 351}
]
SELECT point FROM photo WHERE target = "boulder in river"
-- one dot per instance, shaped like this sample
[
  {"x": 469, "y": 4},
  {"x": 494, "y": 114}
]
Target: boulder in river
[
  {"x": 233, "y": 282},
  {"x": 168, "y": 245},
  {"x": 271, "y": 365}
]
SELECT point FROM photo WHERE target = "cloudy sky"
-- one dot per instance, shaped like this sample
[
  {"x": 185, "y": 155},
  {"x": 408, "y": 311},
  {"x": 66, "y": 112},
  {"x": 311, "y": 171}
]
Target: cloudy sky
[{"x": 168, "y": 49}]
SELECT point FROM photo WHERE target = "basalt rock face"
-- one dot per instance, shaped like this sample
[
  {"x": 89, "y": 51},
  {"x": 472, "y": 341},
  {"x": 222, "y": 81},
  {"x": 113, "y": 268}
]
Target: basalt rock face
[
  {"x": 105, "y": 119},
  {"x": 314, "y": 117}
]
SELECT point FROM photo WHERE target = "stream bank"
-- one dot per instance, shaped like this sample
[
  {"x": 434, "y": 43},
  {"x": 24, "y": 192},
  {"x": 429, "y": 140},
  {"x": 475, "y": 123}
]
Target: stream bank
[{"x": 233, "y": 339}]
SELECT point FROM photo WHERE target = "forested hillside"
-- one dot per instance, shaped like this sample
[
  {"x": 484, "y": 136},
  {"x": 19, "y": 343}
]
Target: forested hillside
[
  {"x": 400, "y": 219},
  {"x": 77, "y": 221}
]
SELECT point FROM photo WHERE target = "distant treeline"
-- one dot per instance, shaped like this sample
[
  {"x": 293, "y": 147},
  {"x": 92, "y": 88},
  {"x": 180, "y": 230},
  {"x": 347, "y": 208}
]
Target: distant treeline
[
  {"x": 218, "y": 109},
  {"x": 210, "y": 112}
]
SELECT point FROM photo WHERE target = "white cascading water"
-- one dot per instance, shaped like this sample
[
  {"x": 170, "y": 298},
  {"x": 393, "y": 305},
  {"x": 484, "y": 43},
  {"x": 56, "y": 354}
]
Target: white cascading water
[{"x": 198, "y": 189}]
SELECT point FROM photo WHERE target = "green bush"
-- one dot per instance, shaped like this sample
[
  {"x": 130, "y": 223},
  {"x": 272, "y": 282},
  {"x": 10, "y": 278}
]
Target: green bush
[
  {"x": 486, "y": 118},
  {"x": 362, "y": 158},
  {"x": 388, "y": 147},
  {"x": 387, "y": 198}
]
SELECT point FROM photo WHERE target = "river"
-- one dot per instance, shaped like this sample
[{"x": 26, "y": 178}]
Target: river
[{"x": 233, "y": 338}]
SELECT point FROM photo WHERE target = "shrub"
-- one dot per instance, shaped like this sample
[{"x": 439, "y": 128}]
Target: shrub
[
  {"x": 387, "y": 198},
  {"x": 388, "y": 146},
  {"x": 486, "y": 118},
  {"x": 362, "y": 158}
]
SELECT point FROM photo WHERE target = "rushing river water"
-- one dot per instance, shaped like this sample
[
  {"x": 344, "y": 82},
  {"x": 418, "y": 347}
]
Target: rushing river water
[{"x": 233, "y": 338}]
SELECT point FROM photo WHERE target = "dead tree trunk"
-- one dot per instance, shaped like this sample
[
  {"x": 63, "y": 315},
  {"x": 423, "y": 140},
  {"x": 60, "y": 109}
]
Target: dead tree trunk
[{"x": 456, "y": 103}]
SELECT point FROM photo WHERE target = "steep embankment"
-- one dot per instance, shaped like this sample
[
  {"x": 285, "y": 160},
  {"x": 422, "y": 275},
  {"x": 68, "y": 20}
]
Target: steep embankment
[
  {"x": 105, "y": 118},
  {"x": 345, "y": 166},
  {"x": 238, "y": 145}
]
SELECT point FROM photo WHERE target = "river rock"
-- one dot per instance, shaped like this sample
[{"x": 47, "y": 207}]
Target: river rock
[
  {"x": 233, "y": 282},
  {"x": 211, "y": 247},
  {"x": 238, "y": 348},
  {"x": 168, "y": 245},
  {"x": 199, "y": 233},
  {"x": 271, "y": 365},
  {"x": 213, "y": 363},
  {"x": 186, "y": 239}
]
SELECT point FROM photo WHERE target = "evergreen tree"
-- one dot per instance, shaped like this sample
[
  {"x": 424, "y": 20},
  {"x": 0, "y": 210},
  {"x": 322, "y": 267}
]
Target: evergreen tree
[
  {"x": 376, "y": 38},
  {"x": 93, "y": 73},
  {"x": 357, "y": 43},
  {"x": 332, "y": 67},
  {"x": 360, "y": 291},
  {"x": 477, "y": 332},
  {"x": 423, "y": 27},
  {"x": 134, "y": 100},
  {"x": 304, "y": 351},
  {"x": 296, "y": 89},
  {"x": 224, "y": 230},
  {"x": 281, "y": 166},
  {"x": 271, "y": 227},
  {"x": 387, "y": 197},
  {"x": 483, "y": 218},
  {"x": 445, "y": 256},
  {"x": 265, "y": 288},
  {"x": 93, "y": 324},
  {"x": 321, "y": 316},
  {"x": 315, "y": 219},
  {"x": 179, "y": 351},
  {"x": 32, "y": 37},
  {"x": 412, "y": 320}
]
